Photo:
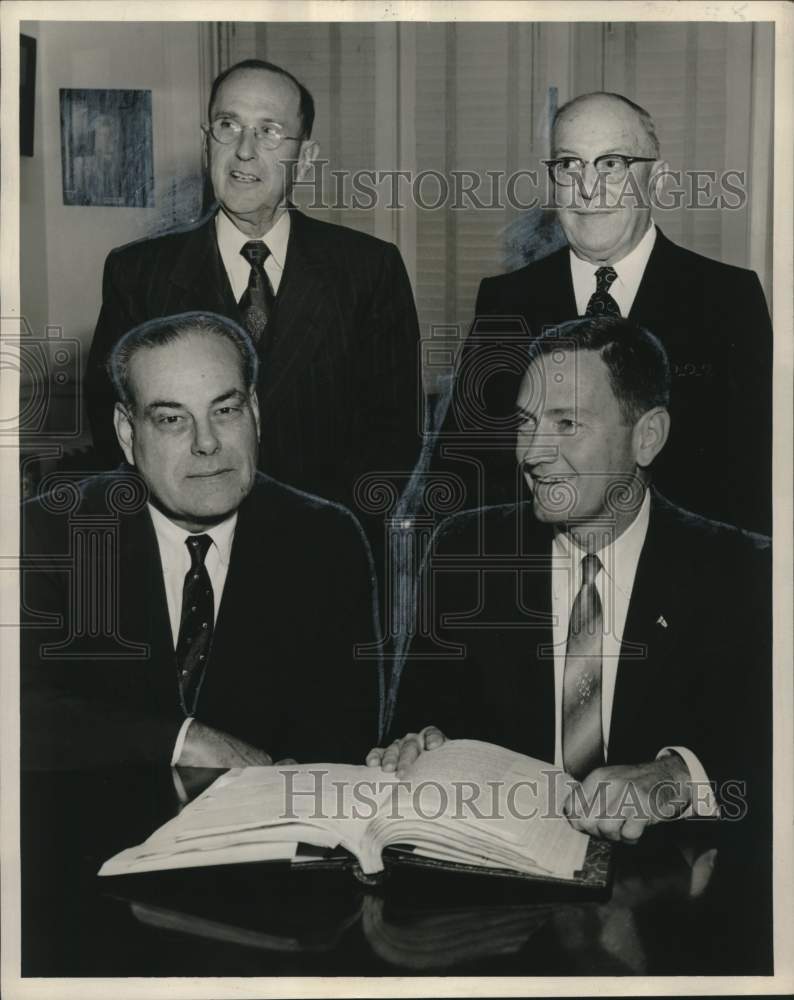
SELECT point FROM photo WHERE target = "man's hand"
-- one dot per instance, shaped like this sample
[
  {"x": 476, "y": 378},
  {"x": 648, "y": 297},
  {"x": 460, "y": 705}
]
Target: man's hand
[
  {"x": 208, "y": 747},
  {"x": 400, "y": 754},
  {"x": 618, "y": 803}
]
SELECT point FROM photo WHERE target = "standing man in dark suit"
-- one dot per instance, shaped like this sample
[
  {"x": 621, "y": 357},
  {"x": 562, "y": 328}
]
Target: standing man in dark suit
[
  {"x": 599, "y": 626},
  {"x": 606, "y": 171},
  {"x": 192, "y": 610},
  {"x": 330, "y": 309}
]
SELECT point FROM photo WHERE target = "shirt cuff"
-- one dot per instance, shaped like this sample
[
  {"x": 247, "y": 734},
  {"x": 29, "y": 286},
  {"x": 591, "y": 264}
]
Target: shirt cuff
[
  {"x": 704, "y": 802},
  {"x": 180, "y": 740}
]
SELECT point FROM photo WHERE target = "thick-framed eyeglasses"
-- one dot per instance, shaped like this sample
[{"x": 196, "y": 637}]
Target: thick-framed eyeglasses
[
  {"x": 267, "y": 135},
  {"x": 612, "y": 167}
]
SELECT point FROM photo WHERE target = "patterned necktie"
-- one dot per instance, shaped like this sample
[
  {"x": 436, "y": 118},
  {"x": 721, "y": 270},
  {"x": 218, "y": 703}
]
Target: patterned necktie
[
  {"x": 582, "y": 737},
  {"x": 601, "y": 302},
  {"x": 195, "y": 626},
  {"x": 256, "y": 305}
]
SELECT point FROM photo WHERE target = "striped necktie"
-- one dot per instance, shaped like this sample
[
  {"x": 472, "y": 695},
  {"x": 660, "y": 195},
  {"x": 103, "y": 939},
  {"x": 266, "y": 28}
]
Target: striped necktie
[{"x": 582, "y": 736}]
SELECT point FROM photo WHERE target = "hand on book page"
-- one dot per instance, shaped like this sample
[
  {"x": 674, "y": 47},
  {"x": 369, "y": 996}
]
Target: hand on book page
[
  {"x": 473, "y": 803},
  {"x": 479, "y": 804},
  {"x": 402, "y": 752}
]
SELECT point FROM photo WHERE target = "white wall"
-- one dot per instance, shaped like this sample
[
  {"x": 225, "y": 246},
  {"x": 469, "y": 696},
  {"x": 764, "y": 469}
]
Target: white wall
[{"x": 64, "y": 247}]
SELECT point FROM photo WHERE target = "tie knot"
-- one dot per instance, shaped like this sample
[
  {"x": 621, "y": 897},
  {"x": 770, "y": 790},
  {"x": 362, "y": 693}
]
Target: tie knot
[
  {"x": 197, "y": 545},
  {"x": 591, "y": 564},
  {"x": 604, "y": 278},
  {"x": 255, "y": 252}
]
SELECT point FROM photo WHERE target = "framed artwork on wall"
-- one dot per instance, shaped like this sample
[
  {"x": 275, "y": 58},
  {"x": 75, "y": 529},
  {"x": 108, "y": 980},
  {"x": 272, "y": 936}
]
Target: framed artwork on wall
[
  {"x": 106, "y": 148},
  {"x": 27, "y": 93}
]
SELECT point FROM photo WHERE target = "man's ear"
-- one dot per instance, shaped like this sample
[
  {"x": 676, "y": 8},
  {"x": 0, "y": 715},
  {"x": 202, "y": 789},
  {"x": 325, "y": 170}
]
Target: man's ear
[
  {"x": 122, "y": 422},
  {"x": 254, "y": 401},
  {"x": 309, "y": 151},
  {"x": 650, "y": 435}
]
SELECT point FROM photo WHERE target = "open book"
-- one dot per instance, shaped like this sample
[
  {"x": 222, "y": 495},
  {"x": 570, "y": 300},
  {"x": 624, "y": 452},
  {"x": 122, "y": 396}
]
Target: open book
[{"x": 467, "y": 803}]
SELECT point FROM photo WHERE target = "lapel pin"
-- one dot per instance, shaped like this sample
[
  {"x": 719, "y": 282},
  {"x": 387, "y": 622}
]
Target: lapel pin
[{"x": 661, "y": 621}]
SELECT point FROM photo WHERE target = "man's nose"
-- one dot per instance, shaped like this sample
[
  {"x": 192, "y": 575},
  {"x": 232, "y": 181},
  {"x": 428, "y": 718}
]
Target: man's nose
[
  {"x": 588, "y": 184},
  {"x": 246, "y": 144},
  {"x": 536, "y": 449},
  {"x": 205, "y": 439}
]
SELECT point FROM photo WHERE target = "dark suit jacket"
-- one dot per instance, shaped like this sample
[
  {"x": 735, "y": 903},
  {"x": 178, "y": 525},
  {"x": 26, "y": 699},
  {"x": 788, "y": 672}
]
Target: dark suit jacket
[
  {"x": 339, "y": 383},
  {"x": 702, "y": 680},
  {"x": 281, "y": 675},
  {"x": 712, "y": 319}
]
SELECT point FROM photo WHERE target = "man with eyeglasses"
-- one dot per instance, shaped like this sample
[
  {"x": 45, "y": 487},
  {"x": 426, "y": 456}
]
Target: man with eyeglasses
[
  {"x": 605, "y": 174},
  {"x": 330, "y": 309}
]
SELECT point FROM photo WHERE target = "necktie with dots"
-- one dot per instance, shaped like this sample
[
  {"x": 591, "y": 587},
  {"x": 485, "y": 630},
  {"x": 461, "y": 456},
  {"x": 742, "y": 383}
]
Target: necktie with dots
[
  {"x": 196, "y": 622},
  {"x": 256, "y": 304},
  {"x": 582, "y": 735},
  {"x": 601, "y": 302}
]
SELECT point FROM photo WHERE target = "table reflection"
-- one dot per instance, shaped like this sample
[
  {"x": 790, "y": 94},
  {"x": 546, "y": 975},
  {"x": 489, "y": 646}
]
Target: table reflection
[{"x": 678, "y": 905}]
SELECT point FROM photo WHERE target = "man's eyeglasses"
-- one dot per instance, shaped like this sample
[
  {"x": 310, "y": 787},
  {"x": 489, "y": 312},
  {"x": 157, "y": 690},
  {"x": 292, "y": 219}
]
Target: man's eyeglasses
[
  {"x": 268, "y": 135},
  {"x": 612, "y": 167}
]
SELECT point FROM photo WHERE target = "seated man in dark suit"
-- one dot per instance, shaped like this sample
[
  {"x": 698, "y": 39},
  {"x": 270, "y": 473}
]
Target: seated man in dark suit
[
  {"x": 598, "y": 626},
  {"x": 189, "y": 609},
  {"x": 330, "y": 309},
  {"x": 606, "y": 172}
]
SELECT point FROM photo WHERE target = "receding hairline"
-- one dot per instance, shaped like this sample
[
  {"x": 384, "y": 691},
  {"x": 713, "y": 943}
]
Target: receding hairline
[
  {"x": 642, "y": 117},
  {"x": 212, "y": 335},
  {"x": 236, "y": 71}
]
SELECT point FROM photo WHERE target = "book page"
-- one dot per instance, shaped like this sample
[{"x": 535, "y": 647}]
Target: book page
[
  {"x": 486, "y": 801},
  {"x": 262, "y": 814}
]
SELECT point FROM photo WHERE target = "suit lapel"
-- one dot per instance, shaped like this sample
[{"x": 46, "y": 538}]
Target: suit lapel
[
  {"x": 306, "y": 307},
  {"x": 656, "y": 618},
  {"x": 664, "y": 290},
  {"x": 198, "y": 278},
  {"x": 144, "y": 609},
  {"x": 523, "y": 665},
  {"x": 553, "y": 300},
  {"x": 245, "y": 599}
]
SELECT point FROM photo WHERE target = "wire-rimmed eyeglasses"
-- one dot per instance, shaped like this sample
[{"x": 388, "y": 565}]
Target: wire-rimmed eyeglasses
[{"x": 268, "y": 135}]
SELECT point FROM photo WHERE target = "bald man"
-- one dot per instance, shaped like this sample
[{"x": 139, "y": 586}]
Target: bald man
[{"x": 605, "y": 167}]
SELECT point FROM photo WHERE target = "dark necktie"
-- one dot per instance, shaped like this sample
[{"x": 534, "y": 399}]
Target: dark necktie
[
  {"x": 582, "y": 737},
  {"x": 256, "y": 305},
  {"x": 601, "y": 302},
  {"x": 195, "y": 626}
]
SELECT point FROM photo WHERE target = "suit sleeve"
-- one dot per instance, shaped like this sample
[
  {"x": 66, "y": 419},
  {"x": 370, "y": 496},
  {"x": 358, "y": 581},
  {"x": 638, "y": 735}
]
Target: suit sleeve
[
  {"x": 74, "y": 711},
  {"x": 115, "y": 319},
  {"x": 338, "y": 711},
  {"x": 723, "y": 713},
  {"x": 434, "y": 686}
]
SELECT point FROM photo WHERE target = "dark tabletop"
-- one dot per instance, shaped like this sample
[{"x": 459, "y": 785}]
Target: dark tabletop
[{"x": 690, "y": 899}]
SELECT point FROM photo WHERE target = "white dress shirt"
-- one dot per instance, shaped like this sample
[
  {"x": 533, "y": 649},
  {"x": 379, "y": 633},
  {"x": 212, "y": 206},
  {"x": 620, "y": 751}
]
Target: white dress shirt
[
  {"x": 630, "y": 270},
  {"x": 175, "y": 560},
  {"x": 231, "y": 241},
  {"x": 614, "y": 582}
]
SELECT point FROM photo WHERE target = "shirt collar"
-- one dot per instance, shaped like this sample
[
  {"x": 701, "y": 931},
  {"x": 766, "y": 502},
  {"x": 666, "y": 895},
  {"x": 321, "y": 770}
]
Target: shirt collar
[
  {"x": 231, "y": 240},
  {"x": 171, "y": 537},
  {"x": 630, "y": 268},
  {"x": 619, "y": 559}
]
